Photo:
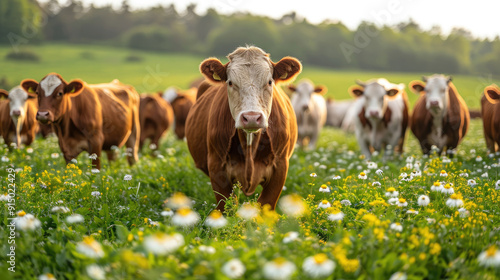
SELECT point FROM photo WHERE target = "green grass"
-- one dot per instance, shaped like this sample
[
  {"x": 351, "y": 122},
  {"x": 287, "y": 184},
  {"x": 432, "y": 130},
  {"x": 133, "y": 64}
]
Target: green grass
[{"x": 99, "y": 64}]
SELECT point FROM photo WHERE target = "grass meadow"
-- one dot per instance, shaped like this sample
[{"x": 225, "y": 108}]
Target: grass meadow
[{"x": 339, "y": 216}]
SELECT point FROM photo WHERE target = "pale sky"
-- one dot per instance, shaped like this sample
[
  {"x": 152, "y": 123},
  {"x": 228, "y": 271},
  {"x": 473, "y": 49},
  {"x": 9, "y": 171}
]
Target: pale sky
[{"x": 478, "y": 16}]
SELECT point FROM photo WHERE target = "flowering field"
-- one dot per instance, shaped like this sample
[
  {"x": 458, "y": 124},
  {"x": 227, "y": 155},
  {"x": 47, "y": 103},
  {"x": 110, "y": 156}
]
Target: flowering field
[{"x": 339, "y": 217}]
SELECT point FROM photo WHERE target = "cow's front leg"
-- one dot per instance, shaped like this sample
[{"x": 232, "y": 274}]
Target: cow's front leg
[
  {"x": 271, "y": 190},
  {"x": 221, "y": 185}
]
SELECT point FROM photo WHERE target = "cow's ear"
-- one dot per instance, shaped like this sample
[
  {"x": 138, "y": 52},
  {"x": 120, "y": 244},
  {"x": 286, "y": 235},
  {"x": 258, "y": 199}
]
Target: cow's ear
[
  {"x": 449, "y": 79},
  {"x": 322, "y": 90},
  {"x": 4, "y": 93},
  {"x": 356, "y": 91},
  {"x": 417, "y": 86},
  {"x": 286, "y": 70},
  {"x": 395, "y": 90},
  {"x": 30, "y": 86},
  {"x": 74, "y": 88},
  {"x": 214, "y": 70},
  {"x": 492, "y": 93}
]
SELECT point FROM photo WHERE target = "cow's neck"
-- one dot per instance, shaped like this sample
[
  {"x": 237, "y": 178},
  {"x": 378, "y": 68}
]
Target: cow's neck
[{"x": 249, "y": 143}]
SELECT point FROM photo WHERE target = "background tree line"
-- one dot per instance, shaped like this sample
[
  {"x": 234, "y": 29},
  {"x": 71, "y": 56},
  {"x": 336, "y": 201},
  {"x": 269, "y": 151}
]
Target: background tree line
[{"x": 403, "y": 47}]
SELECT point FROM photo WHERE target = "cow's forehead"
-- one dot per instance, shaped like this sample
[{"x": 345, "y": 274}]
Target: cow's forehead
[
  {"x": 18, "y": 93},
  {"x": 436, "y": 82},
  {"x": 50, "y": 83},
  {"x": 305, "y": 87},
  {"x": 249, "y": 61},
  {"x": 374, "y": 90}
]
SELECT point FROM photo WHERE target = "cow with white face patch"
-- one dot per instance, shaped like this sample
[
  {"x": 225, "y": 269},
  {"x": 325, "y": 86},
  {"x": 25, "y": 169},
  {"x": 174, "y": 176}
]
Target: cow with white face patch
[
  {"x": 242, "y": 127},
  {"x": 310, "y": 111},
  {"x": 18, "y": 116},
  {"x": 382, "y": 116},
  {"x": 88, "y": 118},
  {"x": 440, "y": 117}
]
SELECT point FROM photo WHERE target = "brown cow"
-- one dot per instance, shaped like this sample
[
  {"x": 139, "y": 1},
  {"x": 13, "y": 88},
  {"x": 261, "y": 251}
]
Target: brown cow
[
  {"x": 243, "y": 128},
  {"x": 88, "y": 117},
  {"x": 156, "y": 116},
  {"x": 181, "y": 101},
  {"x": 490, "y": 112},
  {"x": 440, "y": 116},
  {"x": 18, "y": 116}
]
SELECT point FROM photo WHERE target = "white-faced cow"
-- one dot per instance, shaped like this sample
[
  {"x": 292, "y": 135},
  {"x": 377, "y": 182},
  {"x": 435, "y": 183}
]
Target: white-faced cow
[
  {"x": 382, "y": 117},
  {"x": 310, "y": 111},
  {"x": 242, "y": 128},
  {"x": 88, "y": 117},
  {"x": 440, "y": 116},
  {"x": 18, "y": 116}
]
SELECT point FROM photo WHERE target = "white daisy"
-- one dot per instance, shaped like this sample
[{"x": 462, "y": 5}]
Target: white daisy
[
  {"x": 161, "y": 244},
  {"x": 402, "y": 202},
  {"x": 127, "y": 177},
  {"x": 233, "y": 269},
  {"x": 324, "y": 188},
  {"x": 93, "y": 156},
  {"x": 423, "y": 200},
  {"x": 278, "y": 269},
  {"x": 95, "y": 171},
  {"x": 4, "y": 197},
  {"x": 497, "y": 185},
  {"x": 376, "y": 184},
  {"x": 96, "y": 194},
  {"x": 391, "y": 192},
  {"x": 324, "y": 204},
  {"x": 313, "y": 175},
  {"x": 318, "y": 266},
  {"x": 293, "y": 205},
  {"x": 290, "y": 236},
  {"x": 90, "y": 248},
  {"x": 345, "y": 202},
  {"x": 464, "y": 213},
  {"x": 396, "y": 227},
  {"x": 393, "y": 200},
  {"x": 248, "y": 211},
  {"x": 185, "y": 217},
  {"x": 372, "y": 165},
  {"x": 362, "y": 176},
  {"x": 336, "y": 177},
  {"x": 447, "y": 189},
  {"x": 335, "y": 215},
  {"x": 47, "y": 276},
  {"x": 75, "y": 218},
  {"x": 167, "y": 213},
  {"x": 490, "y": 257},
  {"x": 207, "y": 249},
  {"x": 464, "y": 174},
  {"x": 443, "y": 173},
  {"x": 471, "y": 182},
  {"x": 60, "y": 209},
  {"x": 454, "y": 201},
  {"x": 96, "y": 272},
  {"x": 437, "y": 186},
  {"x": 178, "y": 200},
  {"x": 216, "y": 220},
  {"x": 398, "y": 276},
  {"x": 26, "y": 222},
  {"x": 379, "y": 172},
  {"x": 411, "y": 211},
  {"x": 479, "y": 159}
]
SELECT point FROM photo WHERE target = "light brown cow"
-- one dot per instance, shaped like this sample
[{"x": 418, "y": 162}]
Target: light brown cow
[
  {"x": 18, "y": 116},
  {"x": 181, "y": 101},
  {"x": 440, "y": 116},
  {"x": 88, "y": 117},
  {"x": 243, "y": 128},
  {"x": 490, "y": 112},
  {"x": 156, "y": 116}
]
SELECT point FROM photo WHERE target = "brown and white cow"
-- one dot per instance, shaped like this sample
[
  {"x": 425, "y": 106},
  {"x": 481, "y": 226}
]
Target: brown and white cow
[
  {"x": 18, "y": 116},
  {"x": 156, "y": 116},
  {"x": 382, "y": 116},
  {"x": 440, "y": 116},
  {"x": 310, "y": 110},
  {"x": 490, "y": 112},
  {"x": 242, "y": 128},
  {"x": 181, "y": 101},
  {"x": 88, "y": 117}
]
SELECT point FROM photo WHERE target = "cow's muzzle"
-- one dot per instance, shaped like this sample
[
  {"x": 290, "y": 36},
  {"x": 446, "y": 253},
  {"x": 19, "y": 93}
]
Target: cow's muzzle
[
  {"x": 252, "y": 121},
  {"x": 43, "y": 117}
]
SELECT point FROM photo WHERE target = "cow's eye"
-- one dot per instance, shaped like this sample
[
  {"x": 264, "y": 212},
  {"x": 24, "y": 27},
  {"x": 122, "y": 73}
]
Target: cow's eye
[
  {"x": 270, "y": 82},
  {"x": 59, "y": 94},
  {"x": 230, "y": 83}
]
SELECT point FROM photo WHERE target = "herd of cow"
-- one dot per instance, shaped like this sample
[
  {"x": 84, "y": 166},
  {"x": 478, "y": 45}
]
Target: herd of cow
[{"x": 239, "y": 124}]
